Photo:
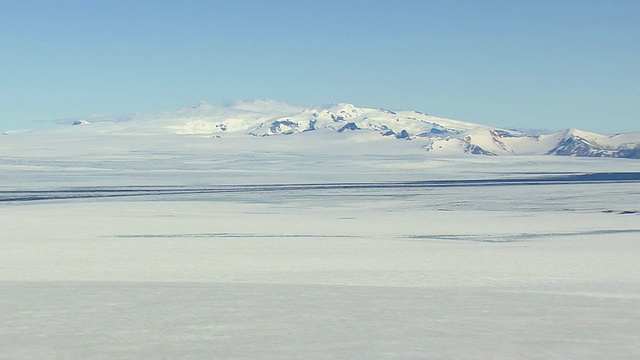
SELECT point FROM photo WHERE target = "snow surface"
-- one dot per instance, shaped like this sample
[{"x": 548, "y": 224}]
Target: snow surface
[
  {"x": 144, "y": 249},
  {"x": 438, "y": 136}
]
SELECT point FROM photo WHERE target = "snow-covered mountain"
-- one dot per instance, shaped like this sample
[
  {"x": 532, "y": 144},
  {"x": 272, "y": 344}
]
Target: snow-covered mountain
[{"x": 438, "y": 136}]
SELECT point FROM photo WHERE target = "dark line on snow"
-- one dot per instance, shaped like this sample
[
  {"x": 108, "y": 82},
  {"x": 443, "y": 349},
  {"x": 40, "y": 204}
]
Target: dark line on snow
[
  {"x": 115, "y": 192},
  {"x": 501, "y": 238}
]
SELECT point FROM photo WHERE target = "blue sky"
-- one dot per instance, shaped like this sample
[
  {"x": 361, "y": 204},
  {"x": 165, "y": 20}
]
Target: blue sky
[{"x": 529, "y": 64}]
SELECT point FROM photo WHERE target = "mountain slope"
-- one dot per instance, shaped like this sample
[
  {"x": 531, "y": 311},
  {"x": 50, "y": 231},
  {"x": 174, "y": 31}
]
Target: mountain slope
[{"x": 438, "y": 136}]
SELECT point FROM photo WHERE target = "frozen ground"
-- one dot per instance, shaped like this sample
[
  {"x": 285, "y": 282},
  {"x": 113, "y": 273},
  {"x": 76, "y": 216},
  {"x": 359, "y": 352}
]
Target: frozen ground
[{"x": 507, "y": 271}]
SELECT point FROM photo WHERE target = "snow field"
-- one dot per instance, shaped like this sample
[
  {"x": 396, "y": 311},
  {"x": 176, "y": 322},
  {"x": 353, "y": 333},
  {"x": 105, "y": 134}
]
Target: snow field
[
  {"x": 343, "y": 274},
  {"x": 275, "y": 272}
]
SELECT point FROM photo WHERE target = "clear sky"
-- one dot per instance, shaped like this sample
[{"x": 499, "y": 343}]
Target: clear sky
[{"x": 530, "y": 64}]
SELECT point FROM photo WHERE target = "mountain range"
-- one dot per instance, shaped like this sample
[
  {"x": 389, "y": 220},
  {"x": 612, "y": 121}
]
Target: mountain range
[{"x": 436, "y": 135}]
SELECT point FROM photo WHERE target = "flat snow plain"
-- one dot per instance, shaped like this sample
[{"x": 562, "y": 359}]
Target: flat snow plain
[{"x": 160, "y": 249}]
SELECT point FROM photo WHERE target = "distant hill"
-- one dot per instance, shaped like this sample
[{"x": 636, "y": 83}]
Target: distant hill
[{"x": 438, "y": 136}]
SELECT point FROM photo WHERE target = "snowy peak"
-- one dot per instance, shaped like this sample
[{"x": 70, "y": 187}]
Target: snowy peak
[
  {"x": 575, "y": 142},
  {"x": 438, "y": 136},
  {"x": 478, "y": 141}
]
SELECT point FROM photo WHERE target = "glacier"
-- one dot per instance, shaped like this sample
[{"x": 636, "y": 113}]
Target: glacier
[
  {"x": 165, "y": 236},
  {"x": 439, "y": 136}
]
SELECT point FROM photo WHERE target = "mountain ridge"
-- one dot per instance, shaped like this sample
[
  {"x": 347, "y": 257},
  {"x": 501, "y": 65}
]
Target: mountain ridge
[{"x": 436, "y": 135}]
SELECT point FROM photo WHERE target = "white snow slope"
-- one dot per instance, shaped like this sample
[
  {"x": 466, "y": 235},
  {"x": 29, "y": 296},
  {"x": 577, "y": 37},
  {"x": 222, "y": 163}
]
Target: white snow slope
[
  {"x": 125, "y": 240},
  {"x": 439, "y": 136}
]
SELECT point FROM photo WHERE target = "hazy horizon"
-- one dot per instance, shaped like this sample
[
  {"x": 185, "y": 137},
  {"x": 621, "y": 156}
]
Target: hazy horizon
[
  {"x": 42, "y": 124},
  {"x": 543, "y": 64}
]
